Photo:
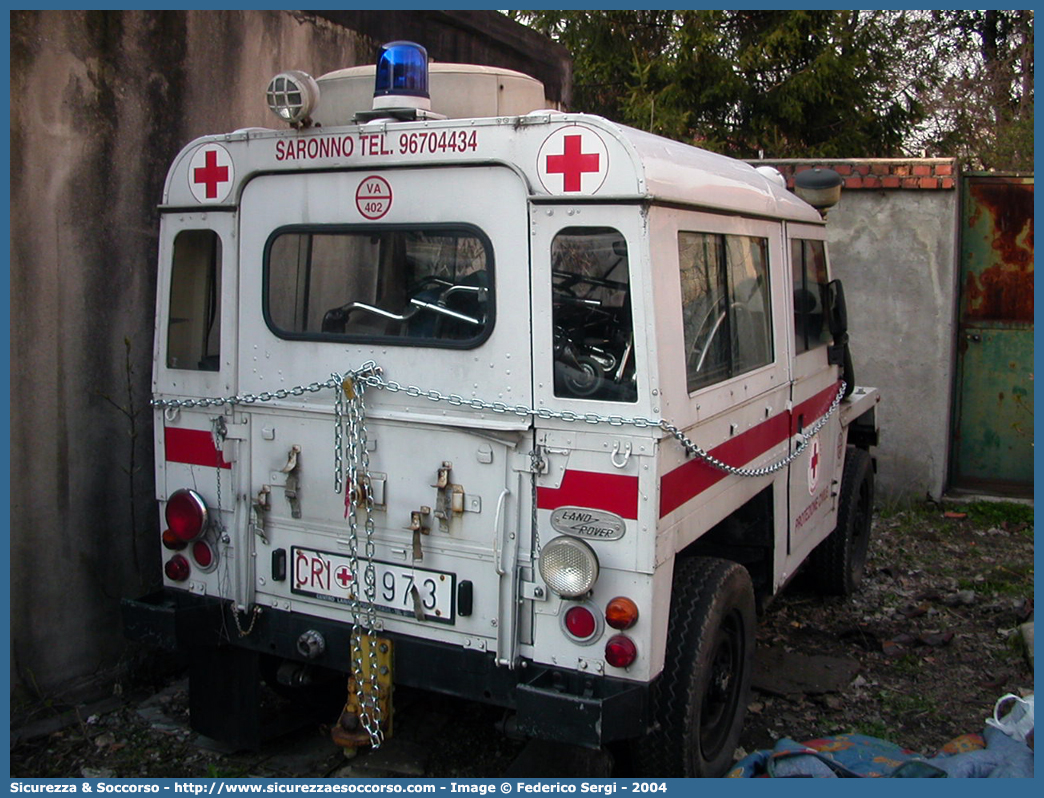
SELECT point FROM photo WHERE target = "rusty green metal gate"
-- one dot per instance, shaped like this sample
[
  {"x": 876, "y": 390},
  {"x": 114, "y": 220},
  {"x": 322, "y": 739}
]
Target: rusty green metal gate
[{"x": 993, "y": 435}]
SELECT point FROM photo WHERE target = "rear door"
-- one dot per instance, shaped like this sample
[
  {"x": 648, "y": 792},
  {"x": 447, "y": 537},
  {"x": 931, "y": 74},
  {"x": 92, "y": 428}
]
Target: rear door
[
  {"x": 196, "y": 354},
  {"x": 425, "y": 273}
]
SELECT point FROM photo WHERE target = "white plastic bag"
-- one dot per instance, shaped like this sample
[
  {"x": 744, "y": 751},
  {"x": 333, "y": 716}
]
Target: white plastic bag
[{"x": 1018, "y": 723}]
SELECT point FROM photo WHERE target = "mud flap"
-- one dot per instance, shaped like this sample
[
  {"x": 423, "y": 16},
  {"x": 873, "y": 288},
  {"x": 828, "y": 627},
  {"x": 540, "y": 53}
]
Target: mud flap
[
  {"x": 578, "y": 709},
  {"x": 224, "y": 695}
]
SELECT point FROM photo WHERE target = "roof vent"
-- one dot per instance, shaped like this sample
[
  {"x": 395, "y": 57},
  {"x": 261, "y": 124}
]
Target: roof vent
[{"x": 458, "y": 91}]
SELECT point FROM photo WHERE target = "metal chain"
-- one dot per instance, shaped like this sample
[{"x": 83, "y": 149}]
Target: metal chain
[
  {"x": 249, "y": 398},
  {"x": 369, "y": 374},
  {"x": 340, "y": 412},
  {"x": 253, "y": 619},
  {"x": 373, "y": 712},
  {"x": 710, "y": 459},
  {"x": 374, "y": 379},
  {"x": 363, "y": 592}
]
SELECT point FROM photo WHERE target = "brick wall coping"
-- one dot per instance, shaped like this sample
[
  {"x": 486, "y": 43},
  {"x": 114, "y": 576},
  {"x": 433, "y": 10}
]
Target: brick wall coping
[{"x": 876, "y": 173}]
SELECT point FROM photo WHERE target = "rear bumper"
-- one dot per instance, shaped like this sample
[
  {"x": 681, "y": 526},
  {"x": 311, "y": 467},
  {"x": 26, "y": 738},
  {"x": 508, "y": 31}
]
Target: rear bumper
[{"x": 550, "y": 704}]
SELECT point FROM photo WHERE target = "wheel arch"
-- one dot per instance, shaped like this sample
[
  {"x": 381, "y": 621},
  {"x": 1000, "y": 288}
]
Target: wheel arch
[{"x": 747, "y": 537}]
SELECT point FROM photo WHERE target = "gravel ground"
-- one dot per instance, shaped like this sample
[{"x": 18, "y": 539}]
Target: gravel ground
[{"x": 918, "y": 656}]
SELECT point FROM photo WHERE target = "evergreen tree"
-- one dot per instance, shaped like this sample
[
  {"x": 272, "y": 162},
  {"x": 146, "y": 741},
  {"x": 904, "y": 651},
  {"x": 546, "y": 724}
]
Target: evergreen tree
[{"x": 755, "y": 82}]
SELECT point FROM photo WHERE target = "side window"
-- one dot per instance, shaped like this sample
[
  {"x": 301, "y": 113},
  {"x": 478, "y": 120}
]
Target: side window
[
  {"x": 591, "y": 314},
  {"x": 427, "y": 286},
  {"x": 808, "y": 259},
  {"x": 726, "y": 309},
  {"x": 194, "y": 323}
]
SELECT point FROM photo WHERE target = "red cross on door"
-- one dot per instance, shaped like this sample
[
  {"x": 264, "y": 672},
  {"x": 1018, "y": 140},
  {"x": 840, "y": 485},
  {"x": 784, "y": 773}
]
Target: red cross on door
[
  {"x": 813, "y": 465},
  {"x": 573, "y": 160},
  {"x": 211, "y": 173}
]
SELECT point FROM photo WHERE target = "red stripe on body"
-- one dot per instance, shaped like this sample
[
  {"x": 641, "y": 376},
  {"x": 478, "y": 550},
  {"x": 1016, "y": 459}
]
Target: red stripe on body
[
  {"x": 193, "y": 447},
  {"x": 614, "y": 493},
  {"x": 814, "y": 407},
  {"x": 693, "y": 477}
]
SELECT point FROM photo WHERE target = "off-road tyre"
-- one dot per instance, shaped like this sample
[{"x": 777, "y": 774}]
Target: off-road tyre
[
  {"x": 700, "y": 699},
  {"x": 837, "y": 564}
]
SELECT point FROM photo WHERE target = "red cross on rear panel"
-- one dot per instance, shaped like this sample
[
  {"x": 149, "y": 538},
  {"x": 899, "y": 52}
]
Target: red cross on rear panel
[
  {"x": 210, "y": 174},
  {"x": 573, "y": 163},
  {"x": 573, "y": 159}
]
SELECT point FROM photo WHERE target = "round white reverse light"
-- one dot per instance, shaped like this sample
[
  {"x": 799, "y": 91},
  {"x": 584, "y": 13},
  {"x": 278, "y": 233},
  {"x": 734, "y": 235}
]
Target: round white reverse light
[{"x": 569, "y": 566}]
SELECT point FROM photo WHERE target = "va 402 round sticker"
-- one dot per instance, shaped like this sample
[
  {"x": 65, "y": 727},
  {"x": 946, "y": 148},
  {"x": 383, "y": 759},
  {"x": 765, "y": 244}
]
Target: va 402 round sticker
[{"x": 373, "y": 198}]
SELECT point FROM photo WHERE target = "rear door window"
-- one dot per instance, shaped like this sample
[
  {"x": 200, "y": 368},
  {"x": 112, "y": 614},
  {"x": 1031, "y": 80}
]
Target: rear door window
[
  {"x": 194, "y": 320},
  {"x": 426, "y": 286},
  {"x": 591, "y": 306}
]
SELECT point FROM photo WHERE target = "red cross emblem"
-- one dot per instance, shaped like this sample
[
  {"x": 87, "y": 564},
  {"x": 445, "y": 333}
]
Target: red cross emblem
[
  {"x": 813, "y": 466},
  {"x": 210, "y": 173},
  {"x": 343, "y": 576},
  {"x": 573, "y": 160},
  {"x": 572, "y": 164}
]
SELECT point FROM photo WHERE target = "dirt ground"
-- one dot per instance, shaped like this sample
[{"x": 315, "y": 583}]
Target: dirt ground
[
  {"x": 932, "y": 636},
  {"x": 918, "y": 656}
]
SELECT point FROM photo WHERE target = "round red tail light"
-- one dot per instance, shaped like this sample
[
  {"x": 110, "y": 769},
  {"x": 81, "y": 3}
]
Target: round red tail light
[
  {"x": 580, "y": 622},
  {"x": 186, "y": 514},
  {"x": 203, "y": 554},
  {"x": 177, "y": 568},
  {"x": 621, "y": 613},
  {"x": 620, "y": 651}
]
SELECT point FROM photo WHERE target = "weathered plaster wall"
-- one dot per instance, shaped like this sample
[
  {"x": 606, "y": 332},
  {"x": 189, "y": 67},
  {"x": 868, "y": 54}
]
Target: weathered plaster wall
[
  {"x": 105, "y": 101},
  {"x": 893, "y": 242},
  {"x": 897, "y": 255}
]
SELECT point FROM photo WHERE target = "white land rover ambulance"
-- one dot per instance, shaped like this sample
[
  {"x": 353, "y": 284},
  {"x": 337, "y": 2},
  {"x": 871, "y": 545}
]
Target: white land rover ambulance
[{"x": 511, "y": 404}]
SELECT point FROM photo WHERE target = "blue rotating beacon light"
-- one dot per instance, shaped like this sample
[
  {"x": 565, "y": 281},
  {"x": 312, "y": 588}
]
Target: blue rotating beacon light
[{"x": 402, "y": 77}]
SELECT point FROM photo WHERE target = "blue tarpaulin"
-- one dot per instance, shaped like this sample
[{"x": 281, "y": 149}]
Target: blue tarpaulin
[{"x": 991, "y": 754}]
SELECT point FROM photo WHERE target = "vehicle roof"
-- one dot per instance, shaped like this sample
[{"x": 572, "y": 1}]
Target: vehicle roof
[
  {"x": 677, "y": 172},
  {"x": 637, "y": 166}
]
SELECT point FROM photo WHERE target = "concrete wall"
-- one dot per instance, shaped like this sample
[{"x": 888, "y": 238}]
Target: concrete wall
[
  {"x": 105, "y": 101},
  {"x": 893, "y": 242}
]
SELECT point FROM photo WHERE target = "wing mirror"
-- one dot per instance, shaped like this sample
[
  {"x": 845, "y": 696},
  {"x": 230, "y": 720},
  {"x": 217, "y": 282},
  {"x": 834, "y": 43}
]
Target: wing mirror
[{"x": 838, "y": 318}]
